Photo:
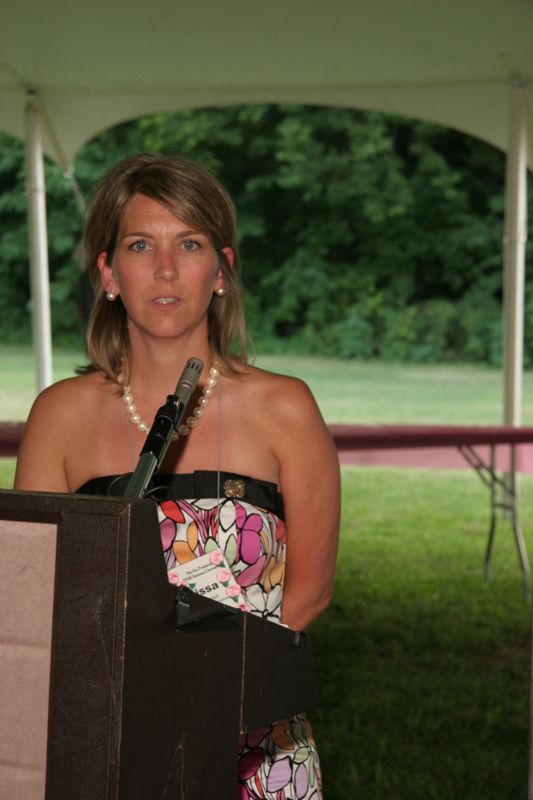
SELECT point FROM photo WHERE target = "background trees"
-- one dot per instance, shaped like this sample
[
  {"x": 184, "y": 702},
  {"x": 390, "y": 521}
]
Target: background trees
[{"x": 363, "y": 235}]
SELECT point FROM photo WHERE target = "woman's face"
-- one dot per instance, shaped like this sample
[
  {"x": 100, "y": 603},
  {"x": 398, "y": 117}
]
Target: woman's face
[{"x": 164, "y": 271}]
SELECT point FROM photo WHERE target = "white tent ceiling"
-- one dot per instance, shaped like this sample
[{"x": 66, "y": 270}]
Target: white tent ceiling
[
  {"x": 91, "y": 65},
  {"x": 95, "y": 64}
]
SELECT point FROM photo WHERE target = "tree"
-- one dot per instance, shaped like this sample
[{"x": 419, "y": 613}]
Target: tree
[{"x": 362, "y": 234}]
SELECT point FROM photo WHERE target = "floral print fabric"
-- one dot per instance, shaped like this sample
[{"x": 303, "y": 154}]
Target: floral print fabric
[
  {"x": 279, "y": 762},
  {"x": 252, "y": 539}
]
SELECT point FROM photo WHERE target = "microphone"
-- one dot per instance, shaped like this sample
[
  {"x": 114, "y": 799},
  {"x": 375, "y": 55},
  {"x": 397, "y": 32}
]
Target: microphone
[
  {"x": 188, "y": 381},
  {"x": 166, "y": 420}
]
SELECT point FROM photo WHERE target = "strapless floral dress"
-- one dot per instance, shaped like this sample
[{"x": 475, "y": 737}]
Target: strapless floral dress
[{"x": 243, "y": 517}]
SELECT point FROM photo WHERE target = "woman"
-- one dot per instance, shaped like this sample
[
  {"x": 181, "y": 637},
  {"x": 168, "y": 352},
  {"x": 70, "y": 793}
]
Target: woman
[{"x": 162, "y": 251}]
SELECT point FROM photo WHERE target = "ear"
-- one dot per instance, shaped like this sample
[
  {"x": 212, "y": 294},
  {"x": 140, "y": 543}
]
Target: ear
[
  {"x": 228, "y": 252},
  {"x": 106, "y": 274}
]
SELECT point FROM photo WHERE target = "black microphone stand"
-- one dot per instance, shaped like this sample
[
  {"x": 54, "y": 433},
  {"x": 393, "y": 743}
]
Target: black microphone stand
[{"x": 165, "y": 423}]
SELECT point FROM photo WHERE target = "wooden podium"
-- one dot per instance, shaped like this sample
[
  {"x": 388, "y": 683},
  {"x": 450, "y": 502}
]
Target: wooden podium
[{"x": 115, "y": 685}]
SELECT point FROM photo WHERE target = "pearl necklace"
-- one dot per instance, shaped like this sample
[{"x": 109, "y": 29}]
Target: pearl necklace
[{"x": 190, "y": 422}]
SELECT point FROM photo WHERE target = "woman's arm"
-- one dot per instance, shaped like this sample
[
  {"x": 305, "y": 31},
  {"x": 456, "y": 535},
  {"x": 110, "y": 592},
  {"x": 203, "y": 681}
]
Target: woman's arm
[{"x": 310, "y": 484}]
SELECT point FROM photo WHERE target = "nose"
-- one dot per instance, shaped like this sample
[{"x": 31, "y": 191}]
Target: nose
[{"x": 166, "y": 268}]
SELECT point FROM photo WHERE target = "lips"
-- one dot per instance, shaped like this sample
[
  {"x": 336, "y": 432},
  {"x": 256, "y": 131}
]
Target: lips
[{"x": 165, "y": 301}]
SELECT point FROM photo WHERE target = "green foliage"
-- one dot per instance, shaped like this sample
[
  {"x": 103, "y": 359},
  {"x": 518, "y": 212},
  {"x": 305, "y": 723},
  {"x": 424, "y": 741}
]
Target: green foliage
[
  {"x": 528, "y": 326},
  {"x": 64, "y": 231},
  {"x": 363, "y": 235}
]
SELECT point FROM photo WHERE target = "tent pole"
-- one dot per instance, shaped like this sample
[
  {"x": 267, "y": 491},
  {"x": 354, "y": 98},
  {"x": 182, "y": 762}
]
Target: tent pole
[
  {"x": 514, "y": 255},
  {"x": 38, "y": 242}
]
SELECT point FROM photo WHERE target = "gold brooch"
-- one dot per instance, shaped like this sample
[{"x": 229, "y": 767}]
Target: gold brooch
[{"x": 234, "y": 487}]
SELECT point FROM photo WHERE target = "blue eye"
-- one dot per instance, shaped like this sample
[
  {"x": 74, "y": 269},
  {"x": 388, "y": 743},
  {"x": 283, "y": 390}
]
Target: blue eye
[
  {"x": 140, "y": 246},
  {"x": 190, "y": 245}
]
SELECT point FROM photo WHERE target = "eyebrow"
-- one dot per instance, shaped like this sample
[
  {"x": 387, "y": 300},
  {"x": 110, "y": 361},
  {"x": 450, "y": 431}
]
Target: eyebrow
[{"x": 148, "y": 235}]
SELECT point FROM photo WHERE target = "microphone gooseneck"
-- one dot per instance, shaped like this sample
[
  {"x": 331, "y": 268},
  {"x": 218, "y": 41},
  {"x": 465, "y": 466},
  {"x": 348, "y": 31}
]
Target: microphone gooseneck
[{"x": 166, "y": 420}]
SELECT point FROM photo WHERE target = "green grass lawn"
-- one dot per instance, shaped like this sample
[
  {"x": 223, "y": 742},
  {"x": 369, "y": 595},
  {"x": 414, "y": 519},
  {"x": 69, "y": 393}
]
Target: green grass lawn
[
  {"x": 369, "y": 392},
  {"x": 347, "y": 391},
  {"x": 7, "y": 472},
  {"x": 17, "y": 380},
  {"x": 424, "y": 669}
]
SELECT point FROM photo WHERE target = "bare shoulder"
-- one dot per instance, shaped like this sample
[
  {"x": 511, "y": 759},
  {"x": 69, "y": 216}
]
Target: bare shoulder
[
  {"x": 80, "y": 383},
  {"x": 65, "y": 398},
  {"x": 282, "y": 415},
  {"x": 284, "y": 399},
  {"x": 58, "y": 425}
]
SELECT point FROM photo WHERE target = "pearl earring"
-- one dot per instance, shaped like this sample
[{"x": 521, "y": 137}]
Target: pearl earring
[
  {"x": 220, "y": 291},
  {"x": 111, "y": 296}
]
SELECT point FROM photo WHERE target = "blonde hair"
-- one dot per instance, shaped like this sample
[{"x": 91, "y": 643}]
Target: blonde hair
[{"x": 199, "y": 200}]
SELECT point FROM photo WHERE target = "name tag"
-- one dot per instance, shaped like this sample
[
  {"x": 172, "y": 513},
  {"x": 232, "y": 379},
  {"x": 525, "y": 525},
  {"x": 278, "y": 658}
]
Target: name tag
[{"x": 211, "y": 576}]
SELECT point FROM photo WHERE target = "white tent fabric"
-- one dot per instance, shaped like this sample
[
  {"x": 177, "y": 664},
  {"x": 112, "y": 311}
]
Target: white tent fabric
[
  {"x": 453, "y": 62},
  {"x": 96, "y": 64}
]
